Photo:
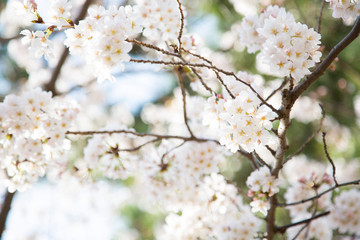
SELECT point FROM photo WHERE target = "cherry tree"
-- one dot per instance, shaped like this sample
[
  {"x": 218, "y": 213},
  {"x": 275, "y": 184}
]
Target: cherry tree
[{"x": 229, "y": 154}]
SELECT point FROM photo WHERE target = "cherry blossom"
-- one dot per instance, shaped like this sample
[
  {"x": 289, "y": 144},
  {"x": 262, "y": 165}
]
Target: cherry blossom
[{"x": 32, "y": 136}]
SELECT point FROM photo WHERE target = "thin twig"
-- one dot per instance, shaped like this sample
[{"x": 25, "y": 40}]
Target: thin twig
[
  {"x": 257, "y": 156},
  {"x": 209, "y": 67},
  {"x": 163, "y": 164},
  {"x": 282, "y": 229},
  {"x": 318, "y": 28},
  {"x": 272, "y": 151},
  {"x": 181, "y": 25},
  {"x": 329, "y": 158},
  {"x": 192, "y": 138},
  {"x": 216, "y": 72},
  {"x": 223, "y": 83},
  {"x": 150, "y": 46},
  {"x": 202, "y": 81},
  {"x": 184, "y": 63},
  {"x": 282, "y": 85},
  {"x": 138, "y": 147},
  {"x": 4, "y": 41},
  {"x": 249, "y": 156},
  {"x": 356, "y": 182},
  {"x": 253, "y": 162},
  {"x": 183, "y": 93}
]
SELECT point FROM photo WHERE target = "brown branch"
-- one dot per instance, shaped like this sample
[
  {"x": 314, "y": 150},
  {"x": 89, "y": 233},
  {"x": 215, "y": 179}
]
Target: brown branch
[
  {"x": 330, "y": 159},
  {"x": 216, "y": 72},
  {"x": 192, "y": 138},
  {"x": 311, "y": 137},
  {"x": 150, "y": 46},
  {"x": 253, "y": 162},
  {"x": 284, "y": 125},
  {"x": 272, "y": 151},
  {"x": 5, "y": 209},
  {"x": 282, "y": 229},
  {"x": 321, "y": 68},
  {"x": 209, "y": 67},
  {"x": 165, "y": 165},
  {"x": 50, "y": 86},
  {"x": 181, "y": 25},
  {"x": 138, "y": 147},
  {"x": 183, "y": 93},
  {"x": 202, "y": 81},
  {"x": 282, "y": 85},
  {"x": 184, "y": 63},
  {"x": 249, "y": 156},
  {"x": 223, "y": 83},
  {"x": 4, "y": 41},
  {"x": 257, "y": 156},
  {"x": 356, "y": 182},
  {"x": 199, "y": 77},
  {"x": 318, "y": 28}
]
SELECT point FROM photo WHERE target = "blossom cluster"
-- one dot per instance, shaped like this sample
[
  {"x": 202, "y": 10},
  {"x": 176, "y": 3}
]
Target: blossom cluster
[
  {"x": 32, "y": 136},
  {"x": 160, "y": 18},
  {"x": 38, "y": 43},
  {"x": 59, "y": 16},
  {"x": 348, "y": 10},
  {"x": 289, "y": 48},
  {"x": 261, "y": 186},
  {"x": 345, "y": 212},
  {"x": 104, "y": 154},
  {"x": 303, "y": 186},
  {"x": 307, "y": 186},
  {"x": 180, "y": 178},
  {"x": 222, "y": 217},
  {"x": 100, "y": 38},
  {"x": 242, "y": 122}
]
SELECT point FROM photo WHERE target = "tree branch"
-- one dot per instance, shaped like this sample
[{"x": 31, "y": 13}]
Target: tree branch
[
  {"x": 5, "y": 209},
  {"x": 282, "y": 85},
  {"x": 183, "y": 93},
  {"x": 192, "y": 138},
  {"x": 209, "y": 67},
  {"x": 181, "y": 25},
  {"x": 318, "y": 28},
  {"x": 330, "y": 159},
  {"x": 4, "y": 41}
]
